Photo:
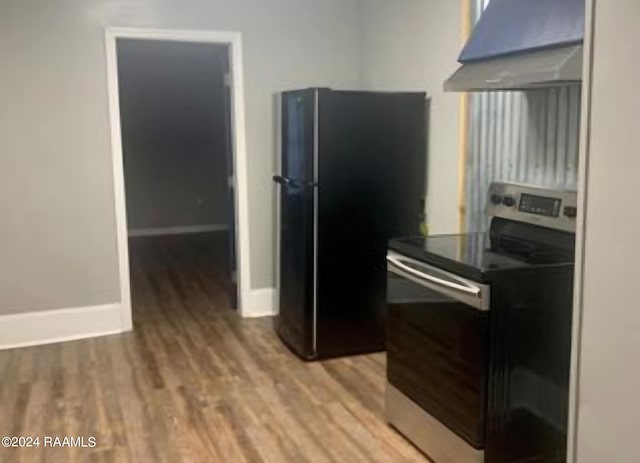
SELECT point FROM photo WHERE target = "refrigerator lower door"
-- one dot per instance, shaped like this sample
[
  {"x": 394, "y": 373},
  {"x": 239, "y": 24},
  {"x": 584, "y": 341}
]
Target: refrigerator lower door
[{"x": 295, "y": 320}]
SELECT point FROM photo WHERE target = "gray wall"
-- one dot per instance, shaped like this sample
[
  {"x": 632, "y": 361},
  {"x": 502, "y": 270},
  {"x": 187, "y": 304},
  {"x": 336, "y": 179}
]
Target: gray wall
[
  {"x": 58, "y": 239},
  {"x": 175, "y": 121},
  {"x": 414, "y": 45},
  {"x": 58, "y": 242},
  {"x": 609, "y": 380}
]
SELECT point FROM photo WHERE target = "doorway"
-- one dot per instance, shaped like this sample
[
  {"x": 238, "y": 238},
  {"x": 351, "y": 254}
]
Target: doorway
[{"x": 178, "y": 147}]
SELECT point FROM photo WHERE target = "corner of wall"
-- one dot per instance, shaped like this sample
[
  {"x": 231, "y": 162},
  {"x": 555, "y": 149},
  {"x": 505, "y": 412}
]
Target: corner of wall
[
  {"x": 361, "y": 7},
  {"x": 261, "y": 302}
]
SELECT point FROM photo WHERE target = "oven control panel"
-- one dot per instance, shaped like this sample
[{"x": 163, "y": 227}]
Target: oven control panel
[
  {"x": 552, "y": 208},
  {"x": 541, "y": 205}
]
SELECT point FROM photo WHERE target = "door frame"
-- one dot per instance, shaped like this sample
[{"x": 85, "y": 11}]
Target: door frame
[{"x": 239, "y": 152}]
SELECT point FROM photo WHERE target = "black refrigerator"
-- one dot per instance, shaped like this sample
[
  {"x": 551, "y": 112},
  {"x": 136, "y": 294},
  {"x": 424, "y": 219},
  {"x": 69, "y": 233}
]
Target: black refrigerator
[{"x": 352, "y": 175}]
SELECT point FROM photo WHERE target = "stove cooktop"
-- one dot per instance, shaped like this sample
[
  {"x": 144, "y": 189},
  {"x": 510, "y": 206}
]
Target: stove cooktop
[{"x": 471, "y": 255}]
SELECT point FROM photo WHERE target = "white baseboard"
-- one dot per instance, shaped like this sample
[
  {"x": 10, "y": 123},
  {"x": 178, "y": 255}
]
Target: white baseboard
[
  {"x": 51, "y": 326},
  {"x": 260, "y": 303},
  {"x": 164, "y": 231}
]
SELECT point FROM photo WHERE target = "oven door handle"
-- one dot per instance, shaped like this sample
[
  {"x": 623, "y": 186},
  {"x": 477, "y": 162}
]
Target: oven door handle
[{"x": 469, "y": 289}]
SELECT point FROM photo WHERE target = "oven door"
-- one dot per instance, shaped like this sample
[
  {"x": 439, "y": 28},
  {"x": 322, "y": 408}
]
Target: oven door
[{"x": 437, "y": 343}]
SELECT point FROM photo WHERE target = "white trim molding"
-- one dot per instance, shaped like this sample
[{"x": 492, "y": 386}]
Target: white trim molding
[
  {"x": 261, "y": 303},
  {"x": 234, "y": 40},
  {"x": 581, "y": 233},
  {"x": 184, "y": 230},
  {"x": 51, "y": 326}
]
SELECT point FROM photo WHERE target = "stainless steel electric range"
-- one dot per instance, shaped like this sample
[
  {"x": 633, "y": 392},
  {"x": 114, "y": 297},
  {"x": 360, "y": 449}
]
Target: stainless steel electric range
[{"x": 479, "y": 333}]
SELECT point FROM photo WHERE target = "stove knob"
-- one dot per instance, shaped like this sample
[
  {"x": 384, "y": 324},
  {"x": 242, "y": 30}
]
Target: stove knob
[
  {"x": 496, "y": 199},
  {"x": 509, "y": 201},
  {"x": 571, "y": 212}
]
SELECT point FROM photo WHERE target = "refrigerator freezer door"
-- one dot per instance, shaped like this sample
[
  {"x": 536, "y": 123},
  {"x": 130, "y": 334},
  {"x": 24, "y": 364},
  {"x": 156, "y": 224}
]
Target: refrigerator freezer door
[{"x": 295, "y": 320}]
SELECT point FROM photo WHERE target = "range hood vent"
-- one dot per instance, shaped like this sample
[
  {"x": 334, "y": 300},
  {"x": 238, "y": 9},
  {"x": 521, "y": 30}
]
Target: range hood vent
[
  {"x": 547, "y": 68},
  {"x": 523, "y": 44}
]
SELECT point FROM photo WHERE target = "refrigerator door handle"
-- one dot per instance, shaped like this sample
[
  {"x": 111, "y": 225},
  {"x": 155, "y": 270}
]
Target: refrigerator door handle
[
  {"x": 286, "y": 181},
  {"x": 282, "y": 180}
]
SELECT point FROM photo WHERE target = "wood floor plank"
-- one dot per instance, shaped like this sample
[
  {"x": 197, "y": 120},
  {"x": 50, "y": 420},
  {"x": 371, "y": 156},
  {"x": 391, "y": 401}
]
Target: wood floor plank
[{"x": 193, "y": 382}]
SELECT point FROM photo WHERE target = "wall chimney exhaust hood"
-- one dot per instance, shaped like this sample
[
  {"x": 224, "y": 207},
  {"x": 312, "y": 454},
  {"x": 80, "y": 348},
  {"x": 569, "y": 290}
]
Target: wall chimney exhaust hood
[{"x": 523, "y": 44}]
